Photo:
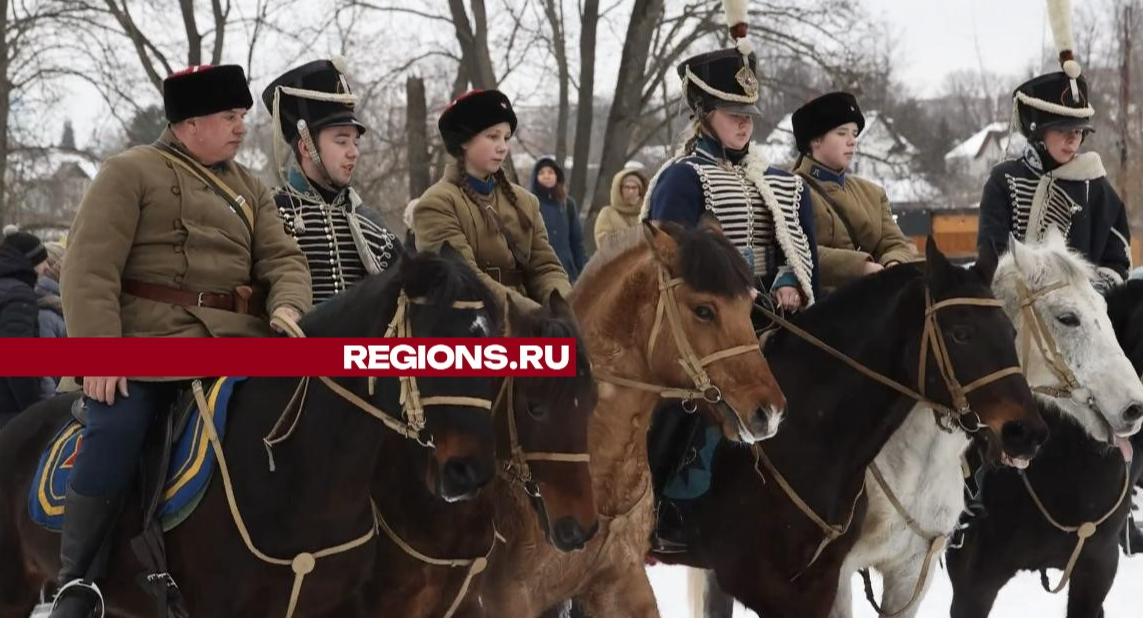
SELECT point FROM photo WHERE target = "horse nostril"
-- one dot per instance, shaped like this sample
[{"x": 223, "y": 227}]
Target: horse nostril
[
  {"x": 1013, "y": 431},
  {"x": 569, "y": 534},
  {"x": 1133, "y": 412},
  {"x": 462, "y": 472}
]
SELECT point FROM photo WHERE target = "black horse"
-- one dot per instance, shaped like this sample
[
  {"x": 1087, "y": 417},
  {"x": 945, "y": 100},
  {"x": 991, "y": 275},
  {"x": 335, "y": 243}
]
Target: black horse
[
  {"x": 317, "y": 495},
  {"x": 1078, "y": 480},
  {"x": 764, "y": 549}
]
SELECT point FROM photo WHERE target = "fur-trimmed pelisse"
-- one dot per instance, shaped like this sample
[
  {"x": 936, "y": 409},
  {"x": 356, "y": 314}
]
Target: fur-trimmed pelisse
[
  {"x": 319, "y": 76},
  {"x": 472, "y": 113},
  {"x": 824, "y": 114},
  {"x": 204, "y": 90}
]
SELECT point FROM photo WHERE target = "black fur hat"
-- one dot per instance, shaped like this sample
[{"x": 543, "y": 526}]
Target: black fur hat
[
  {"x": 472, "y": 113},
  {"x": 204, "y": 90},
  {"x": 824, "y": 114}
]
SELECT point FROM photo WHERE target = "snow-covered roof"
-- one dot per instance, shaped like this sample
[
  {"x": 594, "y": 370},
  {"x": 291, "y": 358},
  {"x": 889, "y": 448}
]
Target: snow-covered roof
[
  {"x": 974, "y": 145},
  {"x": 44, "y": 162},
  {"x": 883, "y": 156}
]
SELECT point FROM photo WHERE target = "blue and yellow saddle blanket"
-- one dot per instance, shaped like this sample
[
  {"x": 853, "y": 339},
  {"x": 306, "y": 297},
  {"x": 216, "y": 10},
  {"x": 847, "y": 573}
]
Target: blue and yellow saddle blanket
[{"x": 188, "y": 476}]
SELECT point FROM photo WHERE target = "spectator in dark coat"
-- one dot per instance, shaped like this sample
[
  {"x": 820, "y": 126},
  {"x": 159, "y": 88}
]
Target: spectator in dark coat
[
  {"x": 561, "y": 217},
  {"x": 22, "y": 258}
]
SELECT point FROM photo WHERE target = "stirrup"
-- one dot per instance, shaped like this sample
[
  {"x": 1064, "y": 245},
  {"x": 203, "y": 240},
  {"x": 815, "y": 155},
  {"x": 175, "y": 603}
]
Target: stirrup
[
  {"x": 91, "y": 587},
  {"x": 659, "y": 545}
]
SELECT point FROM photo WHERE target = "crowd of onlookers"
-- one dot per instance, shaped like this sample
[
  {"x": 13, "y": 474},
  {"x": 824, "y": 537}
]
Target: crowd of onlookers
[{"x": 30, "y": 306}]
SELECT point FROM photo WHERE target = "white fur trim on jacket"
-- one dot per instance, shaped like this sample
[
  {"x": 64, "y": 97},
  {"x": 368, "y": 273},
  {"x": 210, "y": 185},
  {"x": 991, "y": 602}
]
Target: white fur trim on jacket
[{"x": 1087, "y": 166}]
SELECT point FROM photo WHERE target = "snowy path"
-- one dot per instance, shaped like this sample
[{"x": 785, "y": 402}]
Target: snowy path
[{"x": 1021, "y": 597}]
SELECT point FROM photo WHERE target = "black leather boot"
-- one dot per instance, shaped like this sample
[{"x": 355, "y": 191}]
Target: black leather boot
[{"x": 87, "y": 524}]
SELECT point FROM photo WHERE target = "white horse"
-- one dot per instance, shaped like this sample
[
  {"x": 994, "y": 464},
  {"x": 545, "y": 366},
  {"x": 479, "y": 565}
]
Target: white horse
[{"x": 921, "y": 463}]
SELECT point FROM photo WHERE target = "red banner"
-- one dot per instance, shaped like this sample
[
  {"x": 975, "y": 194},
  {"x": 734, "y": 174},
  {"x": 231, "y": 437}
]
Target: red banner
[{"x": 194, "y": 357}]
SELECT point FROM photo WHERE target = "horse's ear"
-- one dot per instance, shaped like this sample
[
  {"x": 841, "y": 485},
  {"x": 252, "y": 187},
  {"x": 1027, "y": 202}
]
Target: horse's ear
[
  {"x": 987, "y": 262},
  {"x": 938, "y": 265},
  {"x": 448, "y": 252},
  {"x": 657, "y": 240},
  {"x": 420, "y": 273},
  {"x": 707, "y": 221},
  {"x": 559, "y": 307}
]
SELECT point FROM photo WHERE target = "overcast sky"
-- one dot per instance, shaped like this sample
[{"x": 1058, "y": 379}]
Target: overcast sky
[
  {"x": 934, "y": 37},
  {"x": 940, "y": 36}
]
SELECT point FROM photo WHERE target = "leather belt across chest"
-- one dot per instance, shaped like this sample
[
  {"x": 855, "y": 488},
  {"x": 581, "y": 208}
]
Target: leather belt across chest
[{"x": 242, "y": 300}]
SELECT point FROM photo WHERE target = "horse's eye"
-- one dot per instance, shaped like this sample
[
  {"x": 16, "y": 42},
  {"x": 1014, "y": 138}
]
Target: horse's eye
[
  {"x": 704, "y": 313},
  {"x": 538, "y": 411},
  {"x": 962, "y": 334},
  {"x": 1068, "y": 319}
]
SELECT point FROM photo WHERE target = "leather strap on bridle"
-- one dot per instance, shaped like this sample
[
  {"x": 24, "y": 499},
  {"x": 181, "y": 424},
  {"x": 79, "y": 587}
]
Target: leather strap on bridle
[
  {"x": 831, "y": 533},
  {"x": 936, "y": 544},
  {"x": 931, "y": 337},
  {"x": 475, "y": 566},
  {"x": 1036, "y": 329},
  {"x": 704, "y": 389},
  {"x": 412, "y": 403},
  {"x": 516, "y": 470},
  {"x": 935, "y": 338},
  {"x": 1083, "y": 531}
]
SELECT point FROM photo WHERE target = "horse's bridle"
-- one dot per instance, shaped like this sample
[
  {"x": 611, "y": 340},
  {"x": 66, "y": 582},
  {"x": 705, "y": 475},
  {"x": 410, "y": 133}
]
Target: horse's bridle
[
  {"x": 515, "y": 470},
  {"x": 704, "y": 389},
  {"x": 1036, "y": 329},
  {"x": 412, "y": 422},
  {"x": 948, "y": 417}
]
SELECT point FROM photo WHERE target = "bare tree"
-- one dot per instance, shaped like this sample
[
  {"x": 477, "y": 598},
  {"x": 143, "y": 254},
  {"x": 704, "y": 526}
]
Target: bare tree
[
  {"x": 28, "y": 61},
  {"x": 416, "y": 122},
  {"x": 554, "y": 12},
  {"x": 585, "y": 104}
]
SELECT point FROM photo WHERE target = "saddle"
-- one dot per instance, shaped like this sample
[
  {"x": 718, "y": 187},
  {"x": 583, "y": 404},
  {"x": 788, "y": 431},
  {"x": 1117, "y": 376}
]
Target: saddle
[{"x": 175, "y": 470}]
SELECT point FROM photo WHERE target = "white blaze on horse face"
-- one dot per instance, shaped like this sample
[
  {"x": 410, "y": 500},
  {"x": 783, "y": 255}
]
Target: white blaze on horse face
[
  {"x": 1076, "y": 319},
  {"x": 480, "y": 325}
]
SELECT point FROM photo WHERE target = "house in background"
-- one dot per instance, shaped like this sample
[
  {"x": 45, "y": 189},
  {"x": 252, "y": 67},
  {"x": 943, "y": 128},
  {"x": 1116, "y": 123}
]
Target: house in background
[
  {"x": 883, "y": 156},
  {"x": 46, "y": 186},
  {"x": 975, "y": 157}
]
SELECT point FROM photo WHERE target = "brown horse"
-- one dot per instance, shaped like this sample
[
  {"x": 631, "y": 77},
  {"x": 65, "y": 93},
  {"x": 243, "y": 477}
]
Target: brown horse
[
  {"x": 686, "y": 295},
  {"x": 541, "y": 437},
  {"x": 317, "y": 495},
  {"x": 765, "y": 549}
]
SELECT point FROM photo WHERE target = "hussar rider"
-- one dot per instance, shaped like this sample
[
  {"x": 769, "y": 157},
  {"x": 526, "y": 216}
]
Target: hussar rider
[
  {"x": 314, "y": 117},
  {"x": 764, "y": 211},
  {"x": 1052, "y": 183}
]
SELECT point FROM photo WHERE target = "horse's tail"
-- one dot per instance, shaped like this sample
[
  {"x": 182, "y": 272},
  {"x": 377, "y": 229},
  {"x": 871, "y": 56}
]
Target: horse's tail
[{"x": 696, "y": 589}]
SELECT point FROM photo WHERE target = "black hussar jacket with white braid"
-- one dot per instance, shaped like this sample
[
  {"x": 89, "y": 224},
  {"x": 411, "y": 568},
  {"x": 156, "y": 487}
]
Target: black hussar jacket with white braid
[
  {"x": 764, "y": 211},
  {"x": 1077, "y": 199},
  {"x": 324, "y": 227}
]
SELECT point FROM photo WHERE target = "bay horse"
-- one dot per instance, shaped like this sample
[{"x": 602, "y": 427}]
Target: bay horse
[
  {"x": 700, "y": 288},
  {"x": 1082, "y": 480},
  {"x": 920, "y": 466},
  {"x": 318, "y": 494},
  {"x": 542, "y": 452},
  {"x": 777, "y": 522}
]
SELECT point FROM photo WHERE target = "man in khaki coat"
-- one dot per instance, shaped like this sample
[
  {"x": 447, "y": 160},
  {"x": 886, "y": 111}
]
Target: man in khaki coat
[
  {"x": 171, "y": 240},
  {"x": 856, "y": 233}
]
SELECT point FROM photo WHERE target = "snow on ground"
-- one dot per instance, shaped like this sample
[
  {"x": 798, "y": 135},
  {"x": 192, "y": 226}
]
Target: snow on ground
[{"x": 1023, "y": 596}]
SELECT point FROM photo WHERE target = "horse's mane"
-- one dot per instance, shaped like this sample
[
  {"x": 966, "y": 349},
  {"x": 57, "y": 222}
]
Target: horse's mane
[
  {"x": 372, "y": 302},
  {"x": 541, "y": 323},
  {"x": 1041, "y": 264},
  {"x": 1125, "y": 309},
  {"x": 705, "y": 259}
]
